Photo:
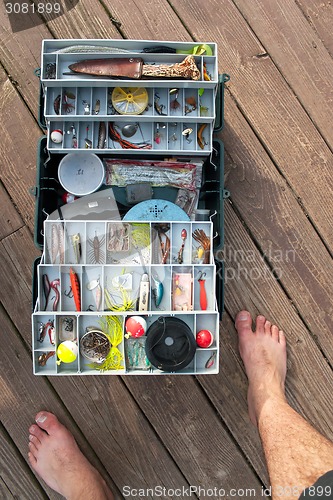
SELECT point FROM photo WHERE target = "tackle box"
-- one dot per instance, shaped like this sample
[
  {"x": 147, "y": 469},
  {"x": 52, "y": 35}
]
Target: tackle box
[
  {"x": 49, "y": 197},
  {"x": 172, "y": 115}
]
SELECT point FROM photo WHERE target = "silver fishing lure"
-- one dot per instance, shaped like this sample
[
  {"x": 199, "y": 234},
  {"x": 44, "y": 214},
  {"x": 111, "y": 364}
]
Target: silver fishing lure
[
  {"x": 157, "y": 290},
  {"x": 77, "y": 49}
]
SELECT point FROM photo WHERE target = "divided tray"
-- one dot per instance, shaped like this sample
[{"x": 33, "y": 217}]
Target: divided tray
[{"x": 112, "y": 261}]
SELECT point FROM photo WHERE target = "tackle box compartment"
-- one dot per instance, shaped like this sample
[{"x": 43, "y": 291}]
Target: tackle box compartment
[
  {"x": 185, "y": 108},
  {"x": 49, "y": 193}
]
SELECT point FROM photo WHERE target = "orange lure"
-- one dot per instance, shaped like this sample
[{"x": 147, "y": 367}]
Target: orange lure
[{"x": 75, "y": 285}]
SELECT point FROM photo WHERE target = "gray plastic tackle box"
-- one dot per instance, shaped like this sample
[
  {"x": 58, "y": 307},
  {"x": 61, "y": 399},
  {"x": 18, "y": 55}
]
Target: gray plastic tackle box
[{"x": 52, "y": 323}]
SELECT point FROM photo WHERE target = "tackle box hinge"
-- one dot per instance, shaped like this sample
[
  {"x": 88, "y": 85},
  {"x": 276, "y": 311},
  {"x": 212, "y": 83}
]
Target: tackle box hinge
[
  {"x": 37, "y": 72},
  {"x": 225, "y": 194},
  {"x": 225, "y": 77}
]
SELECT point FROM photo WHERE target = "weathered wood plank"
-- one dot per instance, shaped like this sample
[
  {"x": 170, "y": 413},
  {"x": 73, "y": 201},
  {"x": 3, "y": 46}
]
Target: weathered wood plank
[
  {"x": 283, "y": 232},
  {"x": 148, "y": 20},
  {"x": 23, "y": 395},
  {"x": 4, "y": 491},
  {"x": 87, "y": 19},
  {"x": 10, "y": 221},
  {"x": 308, "y": 372},
  {"x": 320, "y": 16},
  {"x": 195, "y": 436},
  {"x": 19, "y": 133},
  {"x": 15, "y": 473},
  {"x": 298, "y": 53},
  {"x": 20, "y": 56},
  {"x": 119, "y": 433},
  {"x": 269, "y": 105},
  {"x": 250, "y": 285},
  {"x": 228, "y": 393}
]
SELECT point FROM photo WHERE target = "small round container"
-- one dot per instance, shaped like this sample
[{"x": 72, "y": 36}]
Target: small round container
[
  {"x": 95, "y": 346},
  {"x": 81, "y": 173}
]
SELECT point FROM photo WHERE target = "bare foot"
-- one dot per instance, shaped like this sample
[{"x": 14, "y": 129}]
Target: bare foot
[
  {"x": 57, "y": 459},
  {"x": 265, "y": 358}
]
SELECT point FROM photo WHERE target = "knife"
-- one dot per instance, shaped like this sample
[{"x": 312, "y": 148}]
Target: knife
[{"x": 136, "y": 68}]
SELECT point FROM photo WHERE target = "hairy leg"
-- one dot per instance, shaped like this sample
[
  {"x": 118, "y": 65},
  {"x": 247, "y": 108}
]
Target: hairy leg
[
  {"x": 296, "y": 454},
  {"x": 57, "y": 459}
]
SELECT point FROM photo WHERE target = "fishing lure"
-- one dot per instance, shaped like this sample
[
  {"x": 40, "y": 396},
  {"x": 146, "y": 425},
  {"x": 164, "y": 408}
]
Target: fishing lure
[
  {"x": 46, "y": 289},
  {"x": 158, "y": 107},
  {"x": 78, "y": 49},
  {"x": 97, "y": 107},
  {"x": 95, "y": 285},
  {"x": 76, "y": 243},
  {"x": 201, "y": 141},
  {"x": 101, "y": 135},
  {"x": 157, "y": 290},
  {"x": 54, "y": 285},
  {"x": 44, "y": 329},
  {"x": 75, "y": 286},
  {"x": 56, "y": 104},
  {"x": 203, "y": 294},
  {"x": 183, "y": 236},
  {"x": 210, "y": 361},
  {"x": 43, "y": 358},
  {"x": 95, "y": 254}
]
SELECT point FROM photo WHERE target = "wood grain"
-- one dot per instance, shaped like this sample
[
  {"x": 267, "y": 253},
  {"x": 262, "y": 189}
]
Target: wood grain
[
  {"x": 15, "y": 473},
  {"x": 185, "y": 420},
  {"x": 149, "y": 20},
  {"x": 249, "y": 284},
  {"x": 280, "y": 227},
  {"x": 87, "y": 19},
  {"x": 298, "y": 53},
  {"x": 269, "y": 105},
  {"x": 228, "y": 393},
  {"x": 4, "y": 491},
  {"x": 10, "y": 221},
  {"x": 20, "y": 56},
  {"x": 102, "y": 408},
  {"x": 19, "y": 133},
  {"x": 320, "y": 16},
  {"x": 24, "y": 394}
]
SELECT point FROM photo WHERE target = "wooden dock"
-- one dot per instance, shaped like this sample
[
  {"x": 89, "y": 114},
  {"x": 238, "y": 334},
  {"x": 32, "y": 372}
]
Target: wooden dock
[{"x": 174, "y": 432}]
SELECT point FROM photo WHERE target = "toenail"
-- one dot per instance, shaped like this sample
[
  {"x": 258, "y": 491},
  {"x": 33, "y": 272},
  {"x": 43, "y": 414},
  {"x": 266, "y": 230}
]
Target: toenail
[
  {"x": 243, "y": 316},
  {"x": 41, "y": 419},
  {"x": 30, "y": 437}
]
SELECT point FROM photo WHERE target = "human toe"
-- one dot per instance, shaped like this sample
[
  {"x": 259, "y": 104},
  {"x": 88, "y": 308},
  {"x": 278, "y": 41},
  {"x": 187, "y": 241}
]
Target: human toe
[
  {"x": 33, "y": 439},
  {"x": 260, "y": 324},
  {"x": 48, "y": 422},
  {"x": 32, "y": 459},
  {"x": 275, "y": 333},
  {"x": 37, "y": 432},
  {"x": 267, "y": 327},
  {"x": 33, "y": 449},
  {"x": 243, "y": 323},
  {"x": 282, "y": 338}
]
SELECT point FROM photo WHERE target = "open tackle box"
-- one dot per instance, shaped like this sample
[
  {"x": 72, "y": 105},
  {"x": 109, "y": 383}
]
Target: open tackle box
[{"x": 120, "y": 264}]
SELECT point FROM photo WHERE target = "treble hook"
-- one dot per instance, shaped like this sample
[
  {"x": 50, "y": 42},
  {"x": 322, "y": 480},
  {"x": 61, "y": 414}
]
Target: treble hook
[
  {"x": 202, "y": 275},
  {"x": 69, "y": 294},
  {"x": 90, "y": 308}
]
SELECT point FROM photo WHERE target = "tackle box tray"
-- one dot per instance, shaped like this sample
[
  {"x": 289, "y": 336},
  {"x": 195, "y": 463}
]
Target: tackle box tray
[
  {"x": 122, "y": 272},
  {"x": 172, "y": 115}
]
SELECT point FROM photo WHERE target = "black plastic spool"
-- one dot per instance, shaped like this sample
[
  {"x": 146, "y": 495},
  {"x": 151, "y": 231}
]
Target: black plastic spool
[{"x": 170, "y": 344}]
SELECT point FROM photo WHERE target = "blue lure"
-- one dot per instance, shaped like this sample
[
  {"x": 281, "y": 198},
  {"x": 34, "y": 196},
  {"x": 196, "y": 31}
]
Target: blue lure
[{"x": 157, "y": 290}]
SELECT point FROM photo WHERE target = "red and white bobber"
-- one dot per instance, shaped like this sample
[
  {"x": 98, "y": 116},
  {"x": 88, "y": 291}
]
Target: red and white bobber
[
  {"x": 56, "y": 136},
  {"x": 135, "y": 326},
  {"x": 204, "y": 338}
]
